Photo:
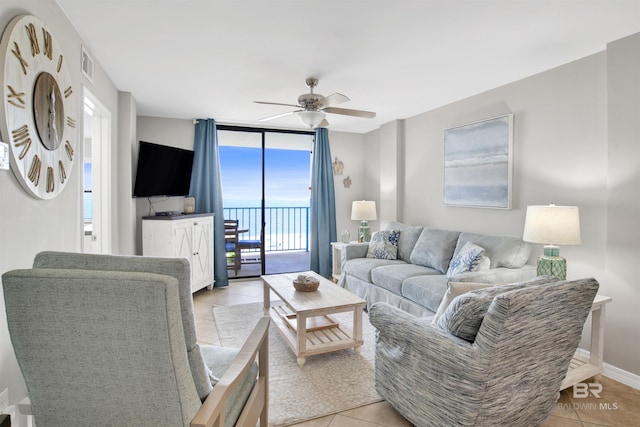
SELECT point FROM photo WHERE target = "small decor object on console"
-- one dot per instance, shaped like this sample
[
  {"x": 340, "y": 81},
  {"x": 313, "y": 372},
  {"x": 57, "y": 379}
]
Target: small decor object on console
[
  {"x": 304, "y": 283},
  {"x": 552, "y": 225},
  {"x": 189, "y": 205}
]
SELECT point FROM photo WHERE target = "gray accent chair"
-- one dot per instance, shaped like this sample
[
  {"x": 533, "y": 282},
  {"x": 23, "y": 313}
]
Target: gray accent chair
[
  {"x": 509, "y": 375},
  {"x": 111, "y": 340}
]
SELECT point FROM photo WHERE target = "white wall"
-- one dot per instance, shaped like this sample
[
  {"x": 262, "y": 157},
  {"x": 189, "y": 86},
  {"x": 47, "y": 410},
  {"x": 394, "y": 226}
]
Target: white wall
[
  {"x": 124, "y": 167},
  {"x": 623, "y": 208},
  {"x": 27, "y": 225},
  {"x": 391, "y": 149},
  {"x": 172, "y": 132},
  {"x": 563, "y": 136},
  {"x": 350, "y": 149}
]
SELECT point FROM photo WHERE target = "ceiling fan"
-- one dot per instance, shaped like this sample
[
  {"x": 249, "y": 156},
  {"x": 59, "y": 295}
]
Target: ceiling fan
[{"x": 312, "y": 107}]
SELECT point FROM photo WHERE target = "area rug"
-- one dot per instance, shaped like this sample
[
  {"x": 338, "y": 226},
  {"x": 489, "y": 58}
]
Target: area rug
[{"x": 327, "y": 383}]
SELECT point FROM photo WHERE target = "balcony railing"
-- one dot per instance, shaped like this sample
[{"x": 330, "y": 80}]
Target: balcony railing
[{"x": 286, "y": 228}]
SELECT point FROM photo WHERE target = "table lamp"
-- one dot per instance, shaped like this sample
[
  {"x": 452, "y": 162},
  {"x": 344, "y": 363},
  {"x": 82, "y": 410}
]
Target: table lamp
[
  {"x": 363, "y": 211},
  {"x": 552, "y": 226}
]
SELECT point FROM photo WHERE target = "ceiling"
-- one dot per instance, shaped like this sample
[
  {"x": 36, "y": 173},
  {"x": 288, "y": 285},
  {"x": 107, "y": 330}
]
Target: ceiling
[{"x": 213, "y": 58}]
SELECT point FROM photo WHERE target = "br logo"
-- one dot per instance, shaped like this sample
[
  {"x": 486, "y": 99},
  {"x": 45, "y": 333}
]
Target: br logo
[{"x": 582, "y": 390}]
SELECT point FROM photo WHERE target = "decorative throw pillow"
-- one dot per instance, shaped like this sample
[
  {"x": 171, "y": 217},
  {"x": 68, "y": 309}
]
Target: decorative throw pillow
[
  {"x": 484, "y": 264},
  {"x": 454, "y": 289},
  {"x": 466, "y": 312},
  {"x": 434, "y": 248},
  {"x": 384, "y": 245},
  {"x": 467, "y": 260},
  {"x": 408, "y": 236}
]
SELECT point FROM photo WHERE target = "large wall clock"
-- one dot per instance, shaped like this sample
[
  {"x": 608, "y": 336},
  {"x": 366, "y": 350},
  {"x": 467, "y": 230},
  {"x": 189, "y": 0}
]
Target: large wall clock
[{"x": 39, "y": 109}]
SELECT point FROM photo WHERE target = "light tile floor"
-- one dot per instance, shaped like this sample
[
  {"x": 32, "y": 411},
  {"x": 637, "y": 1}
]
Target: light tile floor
[{"x": 618, "y": 405}]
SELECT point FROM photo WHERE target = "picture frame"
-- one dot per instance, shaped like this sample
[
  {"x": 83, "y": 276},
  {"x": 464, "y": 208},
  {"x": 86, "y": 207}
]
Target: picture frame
[{"x": 478, "y": 164}]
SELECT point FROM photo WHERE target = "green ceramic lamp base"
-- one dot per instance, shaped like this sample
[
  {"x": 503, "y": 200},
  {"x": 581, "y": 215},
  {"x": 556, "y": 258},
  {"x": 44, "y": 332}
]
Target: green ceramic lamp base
[
  {"x": 555, "y": 266},
  {"x": 364, "y": 233}
]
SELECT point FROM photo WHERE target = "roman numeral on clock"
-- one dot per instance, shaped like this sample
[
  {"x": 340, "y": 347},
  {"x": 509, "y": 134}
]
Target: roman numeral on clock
[
  {"x": 71, "y": 122},
  {"x": 16, "y": 52},
  {"x": 63, "y": 173},
  {"x": 21, "y": 139},
  {"x": 33, "y": 38},
  {"x": 51, "y": 184},
  {"x": 34, "y": 170},
  {"x": 69, "y": 149},
  {"x": 48, "y": 44},
  {"x": 16, "y": 98}
]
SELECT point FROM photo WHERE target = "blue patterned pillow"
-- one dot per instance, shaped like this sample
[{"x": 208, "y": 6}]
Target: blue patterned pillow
[
  {"x": 467, "y": 259},
  {"x": 384, "y": 245}
]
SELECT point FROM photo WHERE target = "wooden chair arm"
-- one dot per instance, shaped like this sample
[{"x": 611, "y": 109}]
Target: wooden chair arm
[{"x": 213, "y": 410}]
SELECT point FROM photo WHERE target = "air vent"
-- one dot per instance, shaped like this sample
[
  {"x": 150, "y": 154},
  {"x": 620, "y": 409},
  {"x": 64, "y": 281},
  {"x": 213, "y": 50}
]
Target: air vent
[{"x": 87, "y": 65}]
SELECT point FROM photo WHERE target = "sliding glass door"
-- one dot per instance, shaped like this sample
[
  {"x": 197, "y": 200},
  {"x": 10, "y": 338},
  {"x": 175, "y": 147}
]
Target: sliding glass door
[
  {"x": 265, "y": 185},
  {"x": 287, "y": 167}
]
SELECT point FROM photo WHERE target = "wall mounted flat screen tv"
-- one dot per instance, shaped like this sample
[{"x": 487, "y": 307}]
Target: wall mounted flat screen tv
[{"x": 162, "y": 171}]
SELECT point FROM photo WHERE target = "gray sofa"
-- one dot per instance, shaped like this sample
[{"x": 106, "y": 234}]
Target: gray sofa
[{"x": 416, "y": 281}]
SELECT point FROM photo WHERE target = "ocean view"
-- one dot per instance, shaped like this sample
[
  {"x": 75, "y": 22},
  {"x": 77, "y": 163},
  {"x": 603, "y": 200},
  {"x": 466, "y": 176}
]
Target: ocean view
[
  {"x": 286, "y": 191},
  {"x": 286, "y": 227}
]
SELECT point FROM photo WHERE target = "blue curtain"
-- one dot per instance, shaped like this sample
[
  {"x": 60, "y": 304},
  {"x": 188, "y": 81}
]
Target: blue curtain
[
  {"x": 323, "y": 205},
  {"x": 206, "y": 188}
]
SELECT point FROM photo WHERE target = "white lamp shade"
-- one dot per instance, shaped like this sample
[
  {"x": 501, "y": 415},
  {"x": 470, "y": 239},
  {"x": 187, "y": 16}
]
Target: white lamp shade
[
  {"x": 312, "y": 118},
  {"x": 552, "y": 225},
  {"x": 363, "y": 210}
]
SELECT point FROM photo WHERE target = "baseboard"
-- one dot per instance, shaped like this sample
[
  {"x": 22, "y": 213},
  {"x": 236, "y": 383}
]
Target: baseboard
[{"x": 615, "y": 373}]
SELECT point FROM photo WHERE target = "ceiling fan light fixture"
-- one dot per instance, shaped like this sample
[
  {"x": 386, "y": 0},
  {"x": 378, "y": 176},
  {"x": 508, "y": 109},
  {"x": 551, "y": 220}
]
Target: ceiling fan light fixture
[{"x": 312, "y": 118}]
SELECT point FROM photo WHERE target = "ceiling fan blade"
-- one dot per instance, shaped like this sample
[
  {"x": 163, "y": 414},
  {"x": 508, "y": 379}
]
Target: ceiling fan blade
[
  {"x": 333, "y": 99},
  {"x": 323, "y": 124},
  {"x": 277, "y": 116},
  {"x": 349, "y": 112},
  {"x": 277, "y": 103}
]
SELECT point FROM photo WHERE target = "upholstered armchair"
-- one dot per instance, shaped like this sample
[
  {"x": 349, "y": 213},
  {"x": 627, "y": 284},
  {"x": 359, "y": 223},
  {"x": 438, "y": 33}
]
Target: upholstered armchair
[
  {"x": 111, "y": 340},
  {"x": 518, "y": 342}
]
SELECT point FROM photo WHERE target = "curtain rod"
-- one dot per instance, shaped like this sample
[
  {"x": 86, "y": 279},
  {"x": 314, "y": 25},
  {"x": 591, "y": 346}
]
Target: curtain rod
[{"x": 259, "y": 129}]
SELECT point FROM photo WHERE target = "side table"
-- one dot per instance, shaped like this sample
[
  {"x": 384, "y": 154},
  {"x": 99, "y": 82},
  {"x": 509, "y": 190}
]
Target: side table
[
  {"x": 336, "y": 256},
  {"x": 580, "y": 368}
]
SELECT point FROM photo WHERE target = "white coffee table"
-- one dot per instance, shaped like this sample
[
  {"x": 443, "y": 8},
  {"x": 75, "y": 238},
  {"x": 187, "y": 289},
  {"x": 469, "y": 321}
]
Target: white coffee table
[{"x": 304, "y": 319}]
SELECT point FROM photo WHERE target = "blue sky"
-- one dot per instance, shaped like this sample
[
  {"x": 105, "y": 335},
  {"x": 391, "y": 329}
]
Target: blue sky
[{"x": 287, "y": 175}]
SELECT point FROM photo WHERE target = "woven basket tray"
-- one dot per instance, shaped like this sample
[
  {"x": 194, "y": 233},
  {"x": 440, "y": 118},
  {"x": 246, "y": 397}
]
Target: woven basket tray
[{"x": 306, "y": 284}]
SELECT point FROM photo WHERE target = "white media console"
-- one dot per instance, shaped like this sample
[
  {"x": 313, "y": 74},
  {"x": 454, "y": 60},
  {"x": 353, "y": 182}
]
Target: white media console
[{"x": 182, "y": 236}]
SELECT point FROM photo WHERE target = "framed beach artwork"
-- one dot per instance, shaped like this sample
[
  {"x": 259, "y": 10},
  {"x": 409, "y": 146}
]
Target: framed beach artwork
[{"x": 478, "y": 164}]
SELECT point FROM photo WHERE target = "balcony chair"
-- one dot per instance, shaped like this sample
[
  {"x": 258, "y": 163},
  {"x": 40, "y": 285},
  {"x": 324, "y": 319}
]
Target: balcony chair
[
  {"x": 250, "y": 245},
  {"x": 232, "y": 244},
  {"x": 508, "y": 374},
  {"x": 105, "y": 340}
]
